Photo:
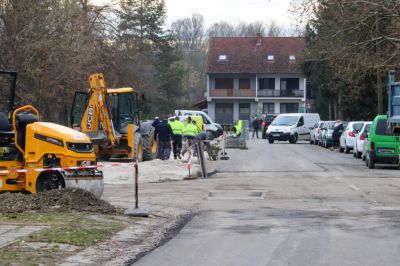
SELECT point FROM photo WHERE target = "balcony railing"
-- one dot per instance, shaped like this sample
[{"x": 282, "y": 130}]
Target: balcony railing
[
  {"x": 280, "y": 93},
  {"x": 252, "y": 93},
  {"x": 232, "y": 93}
]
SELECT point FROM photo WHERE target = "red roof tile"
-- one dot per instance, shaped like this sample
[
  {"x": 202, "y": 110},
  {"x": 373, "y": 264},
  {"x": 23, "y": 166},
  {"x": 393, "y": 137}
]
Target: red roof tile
[{"x": 245, "y": 56}]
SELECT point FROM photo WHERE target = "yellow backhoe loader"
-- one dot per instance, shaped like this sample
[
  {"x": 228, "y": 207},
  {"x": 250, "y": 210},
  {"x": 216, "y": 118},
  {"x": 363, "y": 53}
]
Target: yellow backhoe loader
[
  {"x": 38, "y": 156},
  {"x": 110, "y": 118}
]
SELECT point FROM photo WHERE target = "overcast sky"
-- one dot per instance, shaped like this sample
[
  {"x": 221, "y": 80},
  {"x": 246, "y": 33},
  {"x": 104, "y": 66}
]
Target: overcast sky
[{"x": 231, "y": 10}]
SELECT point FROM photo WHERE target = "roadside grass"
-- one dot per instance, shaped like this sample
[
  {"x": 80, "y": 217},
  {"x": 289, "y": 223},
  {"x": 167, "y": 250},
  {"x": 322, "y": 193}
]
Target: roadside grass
[{"x": 72, "y": 228}]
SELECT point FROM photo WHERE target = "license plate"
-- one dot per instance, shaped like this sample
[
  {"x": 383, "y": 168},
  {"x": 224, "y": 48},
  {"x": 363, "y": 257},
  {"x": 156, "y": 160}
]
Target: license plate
[
  {"x": 84, "y": 163},
  {"x": 386, "y": 151},
  {"x": 276, "y": 135}
]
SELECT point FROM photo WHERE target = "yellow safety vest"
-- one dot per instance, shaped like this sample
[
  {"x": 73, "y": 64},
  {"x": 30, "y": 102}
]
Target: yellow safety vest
[
  {"x": 177, "y": 127},
  {"x": 239, "y": 126},
  {"x": 190, "y": 130}
]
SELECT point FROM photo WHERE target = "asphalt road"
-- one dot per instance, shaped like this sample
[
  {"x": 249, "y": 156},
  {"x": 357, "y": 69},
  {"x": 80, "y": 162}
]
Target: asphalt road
[{"x": 285, "y": 204}]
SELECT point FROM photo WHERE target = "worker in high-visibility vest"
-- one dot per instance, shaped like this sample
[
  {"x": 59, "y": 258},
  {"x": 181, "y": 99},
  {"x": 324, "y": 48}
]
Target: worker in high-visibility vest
[
  {"x": 190, "y": 131},
  {"x": 237, "y": 129},
  {"x": 177, "y": 130}
]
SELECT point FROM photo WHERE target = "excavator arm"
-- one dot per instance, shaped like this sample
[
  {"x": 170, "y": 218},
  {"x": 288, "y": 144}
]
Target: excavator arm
[{"x": 97, "y": 116}]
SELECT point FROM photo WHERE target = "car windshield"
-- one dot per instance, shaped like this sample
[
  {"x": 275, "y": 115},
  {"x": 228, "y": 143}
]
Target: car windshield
[
  {"x": 285, "y": 121},
  {"x": 367, "y": 128},
  {"x": 269, "y": 118},
  {"x": 357, "y": 126},
  {"x": 331, "y": 125}
]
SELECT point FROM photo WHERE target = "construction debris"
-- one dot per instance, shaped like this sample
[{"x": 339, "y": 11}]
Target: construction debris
[{"x": 55, "y": 200}]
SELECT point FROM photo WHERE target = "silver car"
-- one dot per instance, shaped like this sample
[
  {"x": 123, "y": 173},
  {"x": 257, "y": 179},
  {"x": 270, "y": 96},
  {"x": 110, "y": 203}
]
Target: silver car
[{"x": 315, "y": 133}]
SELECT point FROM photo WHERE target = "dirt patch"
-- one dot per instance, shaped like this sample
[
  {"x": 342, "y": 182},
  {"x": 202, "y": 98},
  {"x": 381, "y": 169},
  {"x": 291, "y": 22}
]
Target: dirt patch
[{"x": 55, "y": 200}]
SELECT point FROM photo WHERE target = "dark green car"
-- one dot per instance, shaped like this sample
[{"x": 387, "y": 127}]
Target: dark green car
[{"x": 382, "y": 146}]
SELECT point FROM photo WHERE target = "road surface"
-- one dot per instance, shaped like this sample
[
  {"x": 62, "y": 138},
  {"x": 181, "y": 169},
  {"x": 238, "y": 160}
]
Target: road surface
[{"x": 283, "y": 204}]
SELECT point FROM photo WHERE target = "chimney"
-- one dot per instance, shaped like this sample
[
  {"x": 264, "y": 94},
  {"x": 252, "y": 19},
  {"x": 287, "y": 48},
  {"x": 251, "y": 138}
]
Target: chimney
[{"x": 258, "y": 39}]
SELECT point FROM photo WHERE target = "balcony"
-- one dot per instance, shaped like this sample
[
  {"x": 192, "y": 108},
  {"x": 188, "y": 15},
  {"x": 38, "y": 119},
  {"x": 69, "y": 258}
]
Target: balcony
[
  {"x": 232, "y": 93},
  {"x": 280, "y": 93}
]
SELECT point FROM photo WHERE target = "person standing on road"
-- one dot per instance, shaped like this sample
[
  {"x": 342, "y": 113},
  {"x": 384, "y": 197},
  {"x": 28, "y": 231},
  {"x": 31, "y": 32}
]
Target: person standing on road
[
  {"x": 156, "y": 122},
  {"x": 256, "y": 127},
  {"x": 177, "y": 130},
  {"x": 337, "y": 131},
  {"x": 164, "y": 135},
  {"x": 190, "y": 131}
]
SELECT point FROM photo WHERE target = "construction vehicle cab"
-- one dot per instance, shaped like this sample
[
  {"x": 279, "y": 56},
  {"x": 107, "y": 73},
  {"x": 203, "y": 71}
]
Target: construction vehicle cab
[
  {"x": 110, "y": 117},
  {"x": 38, "y": 156}
]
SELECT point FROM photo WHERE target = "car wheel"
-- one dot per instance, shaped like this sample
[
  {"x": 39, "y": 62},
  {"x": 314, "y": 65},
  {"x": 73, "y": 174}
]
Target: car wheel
[
  {"x": 358, "y": 155},
  {"x": 354, "y": 155},
  {"x": 341, "y": 149},
  {"x": 271, "y": 141},
  {"x": 316, "y": 142},
  {"x": 311, "y": 141},
  {"x": 346, "y": 149},
  {"x": 363, "y": 157},
  {"x": 370, "y": 163},
  {"x": 294, "y": 139}
]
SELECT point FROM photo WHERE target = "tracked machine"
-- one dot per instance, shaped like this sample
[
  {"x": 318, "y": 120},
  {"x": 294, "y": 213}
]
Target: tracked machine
[
  {"x": 110, "y": 118},
  {"x": 38, "y": 156}
]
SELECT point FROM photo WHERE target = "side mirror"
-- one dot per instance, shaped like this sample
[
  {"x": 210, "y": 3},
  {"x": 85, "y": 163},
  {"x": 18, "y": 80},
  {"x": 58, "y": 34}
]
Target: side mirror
[{"x": 311, "y": 128}]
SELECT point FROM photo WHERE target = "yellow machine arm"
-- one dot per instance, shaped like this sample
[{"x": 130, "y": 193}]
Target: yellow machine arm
[{"x": 97, "y": 115}]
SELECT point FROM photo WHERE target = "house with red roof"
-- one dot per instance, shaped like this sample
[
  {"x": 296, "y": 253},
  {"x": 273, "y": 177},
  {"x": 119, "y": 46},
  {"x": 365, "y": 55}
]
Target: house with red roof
[{"x": 250, "y": 76}]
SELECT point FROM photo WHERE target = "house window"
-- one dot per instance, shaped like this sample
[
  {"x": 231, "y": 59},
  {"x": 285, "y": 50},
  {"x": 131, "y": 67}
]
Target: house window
[
  {"x": 244, "y": 84},
  {"x": 223, "y": 83},
  {"x": 266, "y": 84},
  {"x": 222, "y": 57},
  {"x": 292, "y": 58},
  {"x": 244, "y": 111},
  {"x": 270, "y": 58},
  {"x": 289, "y": 84},
  {"x": 268, "y": 108},
  {"x": 289, "y": 108}
]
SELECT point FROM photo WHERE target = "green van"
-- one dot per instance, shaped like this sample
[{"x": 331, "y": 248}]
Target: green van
[{"x": 381, "y": 147}]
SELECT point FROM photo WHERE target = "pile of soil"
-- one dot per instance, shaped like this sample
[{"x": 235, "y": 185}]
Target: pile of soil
[{"x": 55, "y": 200}]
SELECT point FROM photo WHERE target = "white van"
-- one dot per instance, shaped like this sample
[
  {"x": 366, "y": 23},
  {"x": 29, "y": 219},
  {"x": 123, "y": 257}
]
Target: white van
[
  {"x": 292, "y": 127},
  {"x": 214, "y": 128}
]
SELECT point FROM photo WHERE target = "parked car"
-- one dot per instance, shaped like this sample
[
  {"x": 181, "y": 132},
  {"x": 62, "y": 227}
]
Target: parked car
[
  {"x": 292, "y": 127},
  {"x": 326, "y": 137},
  {"x": 361, "y": 137},
  {"x": 348, "y": 136},
  {"x": 315, "y": 132},
  {"x": 266, "y": 121},
  {"x": 319, "y": 137},
  {"x": 213, "y": 128},
  {"x": 382, "y": 147}
]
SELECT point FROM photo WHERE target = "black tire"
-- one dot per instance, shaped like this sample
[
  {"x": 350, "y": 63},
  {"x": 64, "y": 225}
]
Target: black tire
[
  {"x": 358, "y": 155},
  {"x": 370, "y": 163},
  {"x": 149, "y": 143},
  {"x": 49, "y": 181},
  {"x": 271, "y": 141},
  {"x": 341, "y": 149},
  {"x": 138, "y": 146},
  {"x": 294, "y": 139},
  {"x": 316, "y": 142},
  {"x": 346, "y": 149}
]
